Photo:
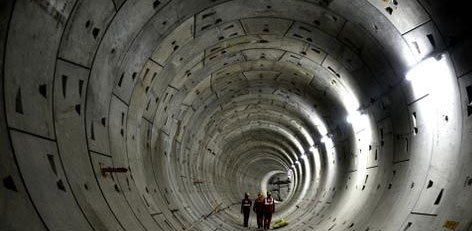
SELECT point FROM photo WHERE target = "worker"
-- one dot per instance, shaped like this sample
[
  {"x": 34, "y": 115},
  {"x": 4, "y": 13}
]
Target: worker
[
  {"x": 259, "y": 209},
  {"x": 269, "y": 208},
  {"x": 246, "y": 208}
]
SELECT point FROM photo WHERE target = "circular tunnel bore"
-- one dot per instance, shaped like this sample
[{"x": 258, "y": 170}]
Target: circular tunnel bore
[{"x": 160, "y": 115}]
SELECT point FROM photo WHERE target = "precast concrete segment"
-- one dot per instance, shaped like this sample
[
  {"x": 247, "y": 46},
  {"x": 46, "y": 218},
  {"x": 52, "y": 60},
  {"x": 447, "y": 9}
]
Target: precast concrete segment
[{"x": 366, "y": 103}]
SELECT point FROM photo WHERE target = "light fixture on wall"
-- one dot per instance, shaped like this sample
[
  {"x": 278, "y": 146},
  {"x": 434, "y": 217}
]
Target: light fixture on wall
[
  {"x": 312, "y": 149},
  {"x": 429, "y": 76},
  {"x": 353, "y": 117},
  {"x": 428, "y": 67},
  {"x": 324, "y": 139}
]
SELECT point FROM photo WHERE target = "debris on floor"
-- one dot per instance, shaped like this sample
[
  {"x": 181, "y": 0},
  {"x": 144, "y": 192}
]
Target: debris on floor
[{"x": 280, "y": 223}]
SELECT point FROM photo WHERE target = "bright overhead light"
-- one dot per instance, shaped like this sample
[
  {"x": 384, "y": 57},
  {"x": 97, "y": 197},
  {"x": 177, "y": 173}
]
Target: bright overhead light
[
  {"x": 356, "y": 118},
  {"x": 424, "y": 69},
  {"x": 353, "y": 117},
  {"x": 324, "y": 139},
  {"x": 429, "y": 75},
  {"x": 297, "y": 162},
  {"x": 303, "y": 156},
  {"x": 312, "y": 149}
]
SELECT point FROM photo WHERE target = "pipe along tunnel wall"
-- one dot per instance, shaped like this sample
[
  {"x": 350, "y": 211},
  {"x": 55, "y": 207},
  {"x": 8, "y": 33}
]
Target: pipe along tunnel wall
[{"x": 366, "y": 103}]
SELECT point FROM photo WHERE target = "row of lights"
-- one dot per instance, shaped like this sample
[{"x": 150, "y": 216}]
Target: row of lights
[
  {"x": 304, "y": 156},
  {"x": 418, "y": 76}
]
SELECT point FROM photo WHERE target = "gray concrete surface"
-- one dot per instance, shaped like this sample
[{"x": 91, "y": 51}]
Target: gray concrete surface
[{"x": 367, "y": 103}]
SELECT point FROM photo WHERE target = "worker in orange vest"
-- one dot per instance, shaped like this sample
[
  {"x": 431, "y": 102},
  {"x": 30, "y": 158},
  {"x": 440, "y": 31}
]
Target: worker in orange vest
[
  {"x": 259, "y": 210},
  {"x": 269, "y": 208},
  {"x": 246, "y": 208}
]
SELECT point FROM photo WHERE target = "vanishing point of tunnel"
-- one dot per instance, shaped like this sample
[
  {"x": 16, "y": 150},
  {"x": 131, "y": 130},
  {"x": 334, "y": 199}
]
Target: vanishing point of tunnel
[{"x": 143, "y": 115}]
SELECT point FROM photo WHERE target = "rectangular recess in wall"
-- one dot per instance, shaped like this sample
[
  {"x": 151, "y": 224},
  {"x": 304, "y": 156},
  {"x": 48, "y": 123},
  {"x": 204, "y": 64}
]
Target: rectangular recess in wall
[
  {"x": 407, "y": 226},
  {"x": 406, "y": 145},
  {"x": 438, "y": 199},
  {"x": 9, "y": 184},
  {"x": 52, "y": 163},
  {"x": 19, "y": 102},
  {"x": 64, "y": 85},
  {"x": 43, "y": 90},
  {"x": 415, "y": 127},
  {"x": 81, "y": 86},
  {"x": 469, "y": 100},
  {"x": 431, "y": 40}
]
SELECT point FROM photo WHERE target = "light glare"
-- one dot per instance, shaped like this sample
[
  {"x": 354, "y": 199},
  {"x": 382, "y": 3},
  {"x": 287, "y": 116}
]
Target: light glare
[
  {"x": 324, "y": 139},
  {"x": 312, "y": 149},
  {"x": 427, "y": 67},
  {"x": 353, "y": 117},
  {"x": 428, "y": 76}
]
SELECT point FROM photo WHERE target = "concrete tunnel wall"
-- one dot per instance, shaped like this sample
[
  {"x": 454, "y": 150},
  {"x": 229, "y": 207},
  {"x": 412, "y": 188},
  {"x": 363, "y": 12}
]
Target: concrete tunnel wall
[{"x": 204, "y": 100}]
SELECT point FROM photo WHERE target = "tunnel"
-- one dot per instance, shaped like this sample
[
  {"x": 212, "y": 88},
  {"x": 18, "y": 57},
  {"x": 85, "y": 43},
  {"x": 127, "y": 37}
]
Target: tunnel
[{"x": 148, "y": 115}]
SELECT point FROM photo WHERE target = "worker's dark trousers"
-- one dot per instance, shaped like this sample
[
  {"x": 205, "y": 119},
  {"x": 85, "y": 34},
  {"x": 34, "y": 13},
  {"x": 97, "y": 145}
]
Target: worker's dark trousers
[
  {"x": 260, "y": 219},
  {"x": 267, "y": 220},
  {"x": 246, "y": 217}
]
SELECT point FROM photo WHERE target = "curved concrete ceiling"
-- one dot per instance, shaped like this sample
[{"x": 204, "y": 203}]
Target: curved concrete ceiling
[{"x": 160, "y": 115}]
